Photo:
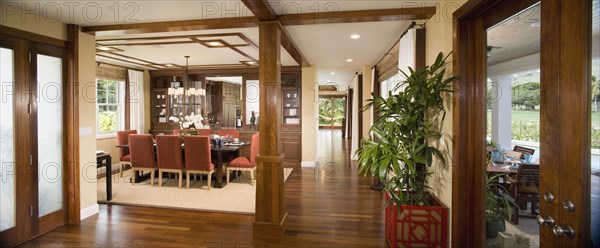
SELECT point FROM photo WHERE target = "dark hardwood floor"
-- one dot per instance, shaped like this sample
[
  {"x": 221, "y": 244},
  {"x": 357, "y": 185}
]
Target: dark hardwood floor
[{"x": 328, "y": 206}]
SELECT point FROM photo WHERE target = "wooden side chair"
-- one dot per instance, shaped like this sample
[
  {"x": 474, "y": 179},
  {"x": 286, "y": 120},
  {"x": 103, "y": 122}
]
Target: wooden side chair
[
  {"x": 246, "y": 164},
  {"x": 525, "y": 188},
  {"x": 523, "y": 151},
  {"x": 168, "y": 151},
  {"x": 124, "y": 155},
  {"x": 142, "y": 154},
  {"x": 197, "y": 157}
]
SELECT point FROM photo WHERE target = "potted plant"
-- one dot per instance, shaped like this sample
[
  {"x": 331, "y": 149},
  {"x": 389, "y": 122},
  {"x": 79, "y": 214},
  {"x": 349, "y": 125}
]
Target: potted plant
[
  {"x": 401, "y": 147},
  {"x": 498, "y": 205}
]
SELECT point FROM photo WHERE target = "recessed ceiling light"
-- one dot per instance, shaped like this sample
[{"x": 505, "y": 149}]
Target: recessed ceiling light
[
  {"x": 349, "y": 60},
  {"x": 355, "y": 36},
  {"x": 169, "y": 65},
  {"x": 214, "y": 43},
  {"x": 251, "y": 62},
  {"x": 103, "y": 48},
  {"x": 332, "y": 73}
]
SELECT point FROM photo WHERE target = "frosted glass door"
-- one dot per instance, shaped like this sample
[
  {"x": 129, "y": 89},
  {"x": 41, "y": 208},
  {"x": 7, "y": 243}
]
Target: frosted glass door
[
  {"x": 49, "y": 134},
  {"x": 7, "y": 152}
]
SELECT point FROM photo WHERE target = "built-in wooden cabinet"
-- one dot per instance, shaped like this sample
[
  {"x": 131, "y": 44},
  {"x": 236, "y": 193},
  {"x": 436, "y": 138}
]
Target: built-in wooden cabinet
[
  {"x": 224, "y": 102},
  {"x": 291, "y": 126}
]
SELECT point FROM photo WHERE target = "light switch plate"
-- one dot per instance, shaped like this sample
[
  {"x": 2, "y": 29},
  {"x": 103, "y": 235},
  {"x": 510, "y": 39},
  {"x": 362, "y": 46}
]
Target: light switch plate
[{"x": 84, "y": 131}]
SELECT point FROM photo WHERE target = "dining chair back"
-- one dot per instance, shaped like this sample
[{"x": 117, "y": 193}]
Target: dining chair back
[
  {"x": 124, "y": 154},
  {"x": 526, "y": 188},
  {"x": 142, "y": 154},
  {"x": 205, "y": 132},
  {"x": 254, "y": 146},
  {"x": 197, "y": 157},
  {"x": 169, "y": 156},
  {"x": 176, "y": 131},
  {"x": 524, "y": 151},
  {"x": 246, "y": 164},
  {"x": 232, "y": 132}
]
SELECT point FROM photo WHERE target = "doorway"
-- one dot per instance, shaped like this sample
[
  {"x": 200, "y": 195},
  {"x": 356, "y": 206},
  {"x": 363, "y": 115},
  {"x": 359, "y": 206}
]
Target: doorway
[
  {"x": 565, "y": 119},
  {"x": 332, "y": 112},
  {"x": 34, "y": 186}
]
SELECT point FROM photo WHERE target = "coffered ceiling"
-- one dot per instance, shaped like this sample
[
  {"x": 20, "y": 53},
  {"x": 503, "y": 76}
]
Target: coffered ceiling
[{"x": 174, "y": 29}]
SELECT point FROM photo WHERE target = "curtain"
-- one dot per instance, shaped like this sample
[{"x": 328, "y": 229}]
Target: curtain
[
  {"x": 408, "y": 51},
  {"x": 136, "y": 100}
]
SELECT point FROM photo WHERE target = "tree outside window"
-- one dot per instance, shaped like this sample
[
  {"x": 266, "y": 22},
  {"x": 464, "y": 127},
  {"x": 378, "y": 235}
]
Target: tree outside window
[{"x": 107, "y": 106}]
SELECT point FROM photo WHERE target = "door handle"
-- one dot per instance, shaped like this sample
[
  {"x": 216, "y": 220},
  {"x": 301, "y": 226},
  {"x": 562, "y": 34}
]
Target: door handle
[
  {"x": 545, "y": 221},
  {"x": 568, "y": 205},
  {"x": 563, "y": 231}
]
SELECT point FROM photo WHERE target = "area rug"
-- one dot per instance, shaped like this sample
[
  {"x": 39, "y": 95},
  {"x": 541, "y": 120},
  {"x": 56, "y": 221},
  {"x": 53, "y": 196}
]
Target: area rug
[{"x": 239, "y": 196}]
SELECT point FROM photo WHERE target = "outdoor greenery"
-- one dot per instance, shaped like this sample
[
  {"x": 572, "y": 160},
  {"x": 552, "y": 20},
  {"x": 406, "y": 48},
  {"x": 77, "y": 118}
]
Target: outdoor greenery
[
  {"x": 402, "y": 137},
  {"x": 525, "y": 115},
  {"x": 107, "y": 121},
  {"x": 107, "y": 104},
  {"x": 325, "y": 106},
  {"x": 526, "y": 96}
]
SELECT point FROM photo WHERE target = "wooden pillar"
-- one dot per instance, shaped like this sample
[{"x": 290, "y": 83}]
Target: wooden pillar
[{"x": 270, "y": 205}]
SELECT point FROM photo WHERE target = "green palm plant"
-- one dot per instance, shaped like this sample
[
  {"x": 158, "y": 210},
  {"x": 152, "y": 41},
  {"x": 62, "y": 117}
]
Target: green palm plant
[{"x": 401, "y": 137}]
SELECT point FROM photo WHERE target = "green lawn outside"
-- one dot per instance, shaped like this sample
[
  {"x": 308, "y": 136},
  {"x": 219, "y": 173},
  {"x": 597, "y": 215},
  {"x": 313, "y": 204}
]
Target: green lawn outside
[{"x": 525, "y": 115}]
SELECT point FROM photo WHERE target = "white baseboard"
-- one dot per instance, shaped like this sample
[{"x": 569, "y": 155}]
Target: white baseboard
[
  {"x": 308, "y": 164},
  {"x": 89, "y": 211}
]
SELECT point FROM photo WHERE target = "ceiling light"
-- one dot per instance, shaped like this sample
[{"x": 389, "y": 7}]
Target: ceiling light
[
  {"x": 251, "y": 62},
  {"x": 536, "y": 24},
  {"x": 103, "y": 48},
  {"x": 355, "y": 36},
  {"x": 169, "y": 65},
  {"x": 349, "y": 60},
  {"x": 332, "y": 73},
  {"x": 214, "y": 43}
]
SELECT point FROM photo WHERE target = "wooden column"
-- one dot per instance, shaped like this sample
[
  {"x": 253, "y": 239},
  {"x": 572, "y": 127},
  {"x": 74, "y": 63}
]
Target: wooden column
[{"x": 270, "y": 205}]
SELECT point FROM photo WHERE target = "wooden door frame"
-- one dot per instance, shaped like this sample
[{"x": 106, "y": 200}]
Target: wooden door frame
[
  {"x": 331, "y": 126},
  {"x": 567, "y": 69},
  {"x": 70, "y": 91}
]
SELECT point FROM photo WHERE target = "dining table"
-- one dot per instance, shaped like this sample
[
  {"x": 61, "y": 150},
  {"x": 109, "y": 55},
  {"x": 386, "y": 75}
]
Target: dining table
[{"x": 217, "y": 152}]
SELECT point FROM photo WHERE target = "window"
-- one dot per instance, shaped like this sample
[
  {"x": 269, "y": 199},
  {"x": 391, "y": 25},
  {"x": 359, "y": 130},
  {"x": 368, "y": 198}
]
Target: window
[{"x": 109, "y": 109}]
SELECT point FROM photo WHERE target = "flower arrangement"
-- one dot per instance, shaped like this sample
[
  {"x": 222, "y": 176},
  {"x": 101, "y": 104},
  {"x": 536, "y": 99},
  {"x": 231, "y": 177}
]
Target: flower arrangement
[{"x": 191, "y": 121}]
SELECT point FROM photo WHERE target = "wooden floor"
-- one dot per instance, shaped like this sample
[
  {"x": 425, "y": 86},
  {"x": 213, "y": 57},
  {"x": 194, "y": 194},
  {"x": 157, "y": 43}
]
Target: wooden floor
[{"x": 328, "y": 206}]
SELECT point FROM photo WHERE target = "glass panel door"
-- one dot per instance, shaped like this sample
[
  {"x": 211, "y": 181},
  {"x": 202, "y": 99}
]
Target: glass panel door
[
  {"x": 7, "y": 152},
  {"x": 49, "y": 134}
]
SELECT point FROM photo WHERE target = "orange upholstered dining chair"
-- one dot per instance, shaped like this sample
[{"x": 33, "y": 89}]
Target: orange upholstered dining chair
[
  {"x": 197, "y": 157},
  {"x": 232, "y": 132},
  {"x": 176, "y": 131},
  {"x": 168, "y": 153},
  {"x": 124, "y": 156},
  {"x": 142, "y": 154},
  {"x": 246, "y": 164},
  {"x": 205, "y": 132}
]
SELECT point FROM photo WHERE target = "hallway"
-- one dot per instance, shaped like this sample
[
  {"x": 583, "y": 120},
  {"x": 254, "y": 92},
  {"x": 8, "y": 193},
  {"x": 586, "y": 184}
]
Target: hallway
[{"x": 328, "y": 206}]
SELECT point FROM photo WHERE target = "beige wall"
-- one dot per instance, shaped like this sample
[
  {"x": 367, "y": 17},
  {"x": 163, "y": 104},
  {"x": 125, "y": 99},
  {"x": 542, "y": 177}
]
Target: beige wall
[
  {"x": 87, "y": 120},
  {"x": 439, "y": 39},
  {"x": 309, "y": 115},
  {"x": 367, "y": 89},
  {"x": 14, "y": 18}
]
